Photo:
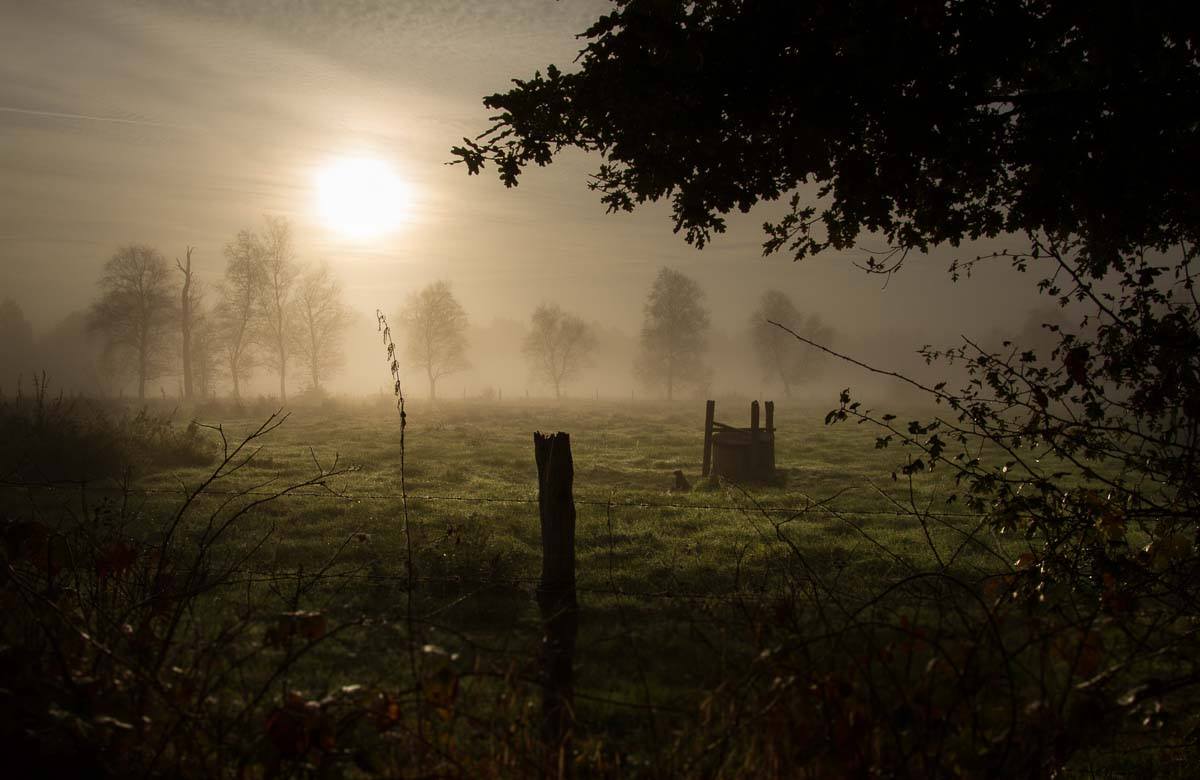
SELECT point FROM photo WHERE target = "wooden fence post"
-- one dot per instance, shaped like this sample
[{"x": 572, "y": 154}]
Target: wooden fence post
[
  {"x": 753, "y": 456},
  {"x": 556, "y": 598},
  {"x": 710, "y": 408},
  {"x": 769, "y": 410}
]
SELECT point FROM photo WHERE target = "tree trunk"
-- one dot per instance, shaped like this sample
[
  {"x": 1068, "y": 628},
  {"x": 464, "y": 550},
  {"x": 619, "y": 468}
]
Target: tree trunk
[
  {"x": 314, "y": 364},
  {"x": 142, "y": 374},
  {"x": 186, "y": 323},
  {"x": 282, "y": 375},
  {"x": 774, "y": 344},
  {"x": 432, "y": 386}
]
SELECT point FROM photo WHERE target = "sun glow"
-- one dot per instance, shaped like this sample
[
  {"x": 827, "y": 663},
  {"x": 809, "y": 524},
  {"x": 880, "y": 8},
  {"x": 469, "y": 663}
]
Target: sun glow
[{"x": 361, "y": 197}]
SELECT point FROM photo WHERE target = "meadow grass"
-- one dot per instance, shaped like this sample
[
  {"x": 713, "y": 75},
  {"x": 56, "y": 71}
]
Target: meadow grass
[
  {"x": 471, "y": 471},
  {"x": 670, "y": 584}
]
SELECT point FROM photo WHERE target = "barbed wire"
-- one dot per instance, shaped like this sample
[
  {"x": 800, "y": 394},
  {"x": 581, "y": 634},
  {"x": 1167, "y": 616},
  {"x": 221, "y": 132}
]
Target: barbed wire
[
  {"x": 579, "y": 501},
  {"x": 255, "y": 576}
]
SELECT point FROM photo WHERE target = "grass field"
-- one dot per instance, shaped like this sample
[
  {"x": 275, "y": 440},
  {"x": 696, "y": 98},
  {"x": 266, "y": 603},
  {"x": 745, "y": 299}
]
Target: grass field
[
  {"x": 671, "y": 584},
  {"x": 837, "y": 574},
  {"x": 665, "y": 578}
]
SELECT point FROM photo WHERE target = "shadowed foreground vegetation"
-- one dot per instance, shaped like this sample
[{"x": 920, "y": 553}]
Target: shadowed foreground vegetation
[{"x": 249, "y": 611}]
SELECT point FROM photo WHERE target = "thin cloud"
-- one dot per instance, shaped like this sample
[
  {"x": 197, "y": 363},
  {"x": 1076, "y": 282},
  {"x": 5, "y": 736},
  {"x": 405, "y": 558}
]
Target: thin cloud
[{"x": 87, "y": 117}]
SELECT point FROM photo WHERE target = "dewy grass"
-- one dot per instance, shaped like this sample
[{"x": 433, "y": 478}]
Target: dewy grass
[
  {"x": 673, "y": 586},
  {"x": 472, "y": 464},
  {"x": 646, "y": 555}
]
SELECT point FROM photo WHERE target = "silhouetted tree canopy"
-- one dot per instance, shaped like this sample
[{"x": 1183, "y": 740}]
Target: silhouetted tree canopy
[
  {"x": 926, "y": 122},
  {"x": 1070, "y": 129}
]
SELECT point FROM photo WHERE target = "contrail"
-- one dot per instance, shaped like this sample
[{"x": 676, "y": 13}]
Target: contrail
[{"x": 61, "y": 115}]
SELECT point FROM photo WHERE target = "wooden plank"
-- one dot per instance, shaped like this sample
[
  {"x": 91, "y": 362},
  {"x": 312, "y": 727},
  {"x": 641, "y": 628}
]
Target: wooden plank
[
  {"x": 769, "y": 408},
  {"x": 710, "y": 408},
  {"x": 753, "y": 454}
]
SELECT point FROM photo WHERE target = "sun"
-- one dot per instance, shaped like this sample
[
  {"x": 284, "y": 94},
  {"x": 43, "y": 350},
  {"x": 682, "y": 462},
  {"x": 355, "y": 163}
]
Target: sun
[{"x": 361, "y": 197}]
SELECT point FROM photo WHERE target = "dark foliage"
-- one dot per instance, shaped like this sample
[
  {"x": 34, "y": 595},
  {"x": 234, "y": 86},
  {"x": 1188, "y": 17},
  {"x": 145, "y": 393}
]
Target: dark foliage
[
  {"x": 927, "y": 122},
  {"x": 1073, "y": 127},
  {"x": 51, "y": 440}
]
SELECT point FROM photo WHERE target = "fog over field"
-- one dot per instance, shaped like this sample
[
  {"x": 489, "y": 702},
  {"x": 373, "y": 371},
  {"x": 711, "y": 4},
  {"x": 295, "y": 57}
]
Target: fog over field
[
  {"x": 177, "y": 124},
  {"x": 615, "y": 389}
]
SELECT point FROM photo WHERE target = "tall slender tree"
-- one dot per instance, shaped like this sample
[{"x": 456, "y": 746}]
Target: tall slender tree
[
  {"x": 320, "y": 319},
  {"x": 186, "y": 300},
  {"x": 436, "y": 326},
  {"x": 277, "y": 280},
  {"x": 234, "y": 316},
  {"x": 206, "y": 353},
  {"x": 674, "y": 333}
]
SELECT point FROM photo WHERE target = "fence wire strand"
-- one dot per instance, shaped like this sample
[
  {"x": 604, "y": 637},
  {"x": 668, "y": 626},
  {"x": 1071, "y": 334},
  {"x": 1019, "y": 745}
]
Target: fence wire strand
[{"x": 579, "y": 501}]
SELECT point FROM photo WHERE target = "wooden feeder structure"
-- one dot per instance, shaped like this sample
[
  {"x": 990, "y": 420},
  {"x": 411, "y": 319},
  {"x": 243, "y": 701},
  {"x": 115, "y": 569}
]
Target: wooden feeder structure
[{"x": 740, "y": 454}]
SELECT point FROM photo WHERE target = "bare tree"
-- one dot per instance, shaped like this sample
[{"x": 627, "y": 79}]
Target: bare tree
[
  {"x": 277, "y": 279},
  {"x": 436, "y": 328},
  {"x": 234, "y": 316},
  {"x": 186, "y": 299},
  {"x": 320, "y": 319},
  {"x": 204, "y": 353},
  {"x": 558, "y": 346},
  {"x": 779, "y": 354},
  {"x": 674, "y": 333},
  {"x": 135, "y": 312}
]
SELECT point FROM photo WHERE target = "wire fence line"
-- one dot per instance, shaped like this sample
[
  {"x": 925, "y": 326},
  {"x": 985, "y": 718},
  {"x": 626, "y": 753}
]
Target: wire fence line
[
  {"x": 246, "y": 575},
  {"x": 579, "y": 501}
]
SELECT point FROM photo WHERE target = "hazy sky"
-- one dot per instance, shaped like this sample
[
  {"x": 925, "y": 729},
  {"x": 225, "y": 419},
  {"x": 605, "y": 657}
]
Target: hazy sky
[{"x": 176, "y": 123}]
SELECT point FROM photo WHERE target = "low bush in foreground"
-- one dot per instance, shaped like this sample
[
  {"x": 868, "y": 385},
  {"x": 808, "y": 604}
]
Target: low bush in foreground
[{"x": 53, "y": 440}]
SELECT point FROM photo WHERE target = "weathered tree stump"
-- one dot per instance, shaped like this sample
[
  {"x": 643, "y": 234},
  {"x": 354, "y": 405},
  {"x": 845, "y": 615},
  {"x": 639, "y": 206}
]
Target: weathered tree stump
[{"x": 556, "y": 598}]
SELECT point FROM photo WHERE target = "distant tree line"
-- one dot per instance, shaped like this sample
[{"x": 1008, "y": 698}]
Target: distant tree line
[
  {"x": 672, "y": 346},
  {"x": 270, "y": 313}
]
